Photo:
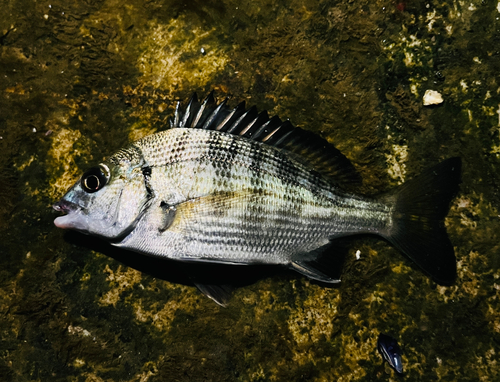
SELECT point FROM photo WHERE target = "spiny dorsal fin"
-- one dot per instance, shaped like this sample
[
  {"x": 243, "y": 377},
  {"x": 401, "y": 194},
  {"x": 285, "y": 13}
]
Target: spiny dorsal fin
[{"x": 251, "y": 124}]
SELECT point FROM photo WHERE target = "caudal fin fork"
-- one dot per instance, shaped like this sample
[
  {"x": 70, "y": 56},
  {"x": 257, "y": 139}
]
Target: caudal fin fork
[{"x": 418, "y": 229}]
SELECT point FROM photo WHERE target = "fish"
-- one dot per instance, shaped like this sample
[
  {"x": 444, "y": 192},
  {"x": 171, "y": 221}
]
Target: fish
[
  {"x": 389, "y": 348},
  {"x": 235, "y": 186}
]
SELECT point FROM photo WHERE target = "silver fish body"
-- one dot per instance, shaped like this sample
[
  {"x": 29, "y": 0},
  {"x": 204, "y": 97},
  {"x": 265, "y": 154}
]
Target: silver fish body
[
  {"x": 210, "y": 189},
  {"x": 231, "y": 200}
]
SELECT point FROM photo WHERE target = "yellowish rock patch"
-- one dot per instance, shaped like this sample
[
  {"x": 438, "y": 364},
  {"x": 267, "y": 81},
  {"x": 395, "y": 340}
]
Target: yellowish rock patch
[
  {"x": 61, "y": 156},
  {"x": 176, "y": 53}
]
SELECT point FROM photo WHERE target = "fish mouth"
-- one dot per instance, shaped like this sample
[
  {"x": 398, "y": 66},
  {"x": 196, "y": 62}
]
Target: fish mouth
[
  {"x": 73, "y": 217},
  {"x": 65, "y": 206}
]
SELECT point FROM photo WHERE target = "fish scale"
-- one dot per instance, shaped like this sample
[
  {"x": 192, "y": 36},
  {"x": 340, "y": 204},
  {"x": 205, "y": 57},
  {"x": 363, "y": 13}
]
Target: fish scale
[
  {"x": 235, "y": 186},
  {"x": 294, "y": 201}
]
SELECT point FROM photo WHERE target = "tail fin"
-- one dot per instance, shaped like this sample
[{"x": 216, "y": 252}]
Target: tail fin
[{"x": 418, "y": 230}]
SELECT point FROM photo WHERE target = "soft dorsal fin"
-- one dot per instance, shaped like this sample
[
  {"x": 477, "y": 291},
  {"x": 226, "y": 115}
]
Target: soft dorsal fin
[{"x": 251, "y": 124}]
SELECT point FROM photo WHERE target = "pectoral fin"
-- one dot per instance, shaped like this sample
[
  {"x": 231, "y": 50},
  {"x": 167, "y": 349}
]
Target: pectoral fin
[
  {"x": 208, "y": 210},
  {"x": 168, "y": 216}
]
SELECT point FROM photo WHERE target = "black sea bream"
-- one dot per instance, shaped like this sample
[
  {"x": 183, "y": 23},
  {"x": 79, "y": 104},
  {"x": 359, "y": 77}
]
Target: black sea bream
[{"x": 234, "y": 186}]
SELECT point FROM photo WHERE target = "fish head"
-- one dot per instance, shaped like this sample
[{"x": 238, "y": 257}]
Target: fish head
[{"x": 107, "y": 201}]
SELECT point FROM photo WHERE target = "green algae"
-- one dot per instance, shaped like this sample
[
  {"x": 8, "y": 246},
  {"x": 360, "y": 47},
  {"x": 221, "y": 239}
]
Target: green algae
[{"x": 80, "y": 80}]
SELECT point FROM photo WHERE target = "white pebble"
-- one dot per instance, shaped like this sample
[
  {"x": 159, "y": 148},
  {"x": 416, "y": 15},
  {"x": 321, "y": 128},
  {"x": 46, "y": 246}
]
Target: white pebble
[{"x": 432, "y": 97}]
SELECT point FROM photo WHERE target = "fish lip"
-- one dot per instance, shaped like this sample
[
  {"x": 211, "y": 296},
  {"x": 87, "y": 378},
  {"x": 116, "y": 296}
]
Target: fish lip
[
  {"x": 73, "y": 216},
  {"x": 65, "y": 206}
]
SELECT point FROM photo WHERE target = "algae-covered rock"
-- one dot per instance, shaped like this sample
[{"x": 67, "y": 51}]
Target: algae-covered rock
[{"x": 79, "y": 80}]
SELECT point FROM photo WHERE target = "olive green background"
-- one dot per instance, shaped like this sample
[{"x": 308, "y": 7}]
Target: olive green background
[{"x": 79, "y": 80}]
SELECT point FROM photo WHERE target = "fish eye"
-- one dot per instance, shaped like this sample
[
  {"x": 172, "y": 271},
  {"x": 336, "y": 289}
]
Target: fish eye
[{"x": 94, "y": 179}]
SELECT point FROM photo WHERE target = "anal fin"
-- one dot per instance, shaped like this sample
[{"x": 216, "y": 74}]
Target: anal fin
[
  {"x": 323, "y": 264},
  {"x": 309, "y": 269}
]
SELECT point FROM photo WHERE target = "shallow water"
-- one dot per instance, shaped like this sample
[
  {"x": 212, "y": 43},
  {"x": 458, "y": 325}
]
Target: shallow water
[{"x": 78, "y": 81}]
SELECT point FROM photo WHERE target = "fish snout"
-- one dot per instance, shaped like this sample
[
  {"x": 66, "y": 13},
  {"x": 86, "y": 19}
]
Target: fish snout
[
  {"x": 63, "y": 206},
  {"x": 72, "y": 217}
]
